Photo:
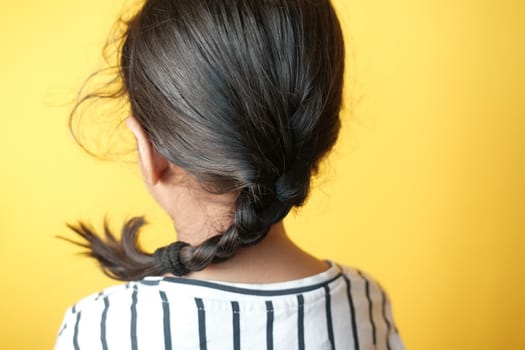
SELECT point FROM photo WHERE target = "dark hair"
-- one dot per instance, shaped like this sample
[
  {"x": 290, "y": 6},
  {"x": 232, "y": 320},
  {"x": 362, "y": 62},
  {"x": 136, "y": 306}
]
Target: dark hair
[{"x": 242, "y": 94}]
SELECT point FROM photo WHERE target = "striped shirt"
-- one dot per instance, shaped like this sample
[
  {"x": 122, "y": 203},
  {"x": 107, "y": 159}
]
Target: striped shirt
[{"x": 340, "y": 308}]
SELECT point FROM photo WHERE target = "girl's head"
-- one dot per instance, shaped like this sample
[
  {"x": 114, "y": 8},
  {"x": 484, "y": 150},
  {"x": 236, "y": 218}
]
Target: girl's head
[{"x": 244, "y": 96}]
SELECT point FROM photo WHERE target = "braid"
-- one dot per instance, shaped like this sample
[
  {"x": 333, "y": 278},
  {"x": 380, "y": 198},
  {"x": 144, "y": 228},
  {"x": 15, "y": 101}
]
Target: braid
[{"x": 252, "y": 220}]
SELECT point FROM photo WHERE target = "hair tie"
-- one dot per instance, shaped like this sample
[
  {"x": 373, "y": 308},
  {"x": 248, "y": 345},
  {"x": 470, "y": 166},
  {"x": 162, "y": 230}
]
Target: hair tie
[{"x": 167, "y": 259}]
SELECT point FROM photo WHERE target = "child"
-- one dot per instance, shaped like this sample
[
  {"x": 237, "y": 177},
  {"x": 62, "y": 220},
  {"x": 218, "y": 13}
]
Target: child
[{"x": 234, "y": 103}]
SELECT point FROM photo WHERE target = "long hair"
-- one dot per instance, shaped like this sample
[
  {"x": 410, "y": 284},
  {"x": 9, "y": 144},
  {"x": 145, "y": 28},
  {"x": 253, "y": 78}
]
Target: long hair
[{"x": 242, "y": 94}]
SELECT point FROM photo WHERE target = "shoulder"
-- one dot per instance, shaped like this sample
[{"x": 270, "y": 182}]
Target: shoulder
[
  {"x": 87, "y": 303},
  {"x": 371, "y": 307},
  {"x": 95, "y": 303},
  {"x": 364, "y": 288},
  {"x": 359, "y": 278},
  {"x": 85, "y": 322}
]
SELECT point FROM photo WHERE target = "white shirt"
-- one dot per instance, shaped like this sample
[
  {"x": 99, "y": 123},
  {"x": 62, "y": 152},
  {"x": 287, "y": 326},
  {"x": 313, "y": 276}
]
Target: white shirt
[{"x": 341, "y": 308}]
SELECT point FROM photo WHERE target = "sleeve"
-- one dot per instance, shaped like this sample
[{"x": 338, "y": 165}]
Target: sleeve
[
  {"x": 380, "y": 309},
  {"x": 66, "y": 331},
  {"x": 81, "y": 326},
  {"x": 376, "y": 327},
  {"x": 394, "y": 339}
]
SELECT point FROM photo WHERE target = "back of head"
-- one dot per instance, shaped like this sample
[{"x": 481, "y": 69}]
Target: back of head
[{"x": 242, "y": 94}]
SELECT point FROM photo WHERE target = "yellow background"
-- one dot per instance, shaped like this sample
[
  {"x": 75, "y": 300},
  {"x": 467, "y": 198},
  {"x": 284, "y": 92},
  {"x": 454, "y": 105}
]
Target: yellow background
[{"x": 425, "y": 190}]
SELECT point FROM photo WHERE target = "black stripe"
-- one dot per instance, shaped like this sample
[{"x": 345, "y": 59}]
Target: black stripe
[
  {"x": 300, "y": 321},
  {"x": 166, "y": 320},
  {"x": 150, "y": 283},
  {"x": 236, "y": 326},
  {"x": 386, "y": 321},
  {"x": 75, "y": 335},
  {"x": 133, "y": 330},
  {"x": 103, "y": 339},
  {"x": 240, "y": 290},
  {"x": 202, "y": 323},
  {"x": 269, "y": 325},
  {"x": 62, "y": 330},
  {"x": 370, "y": 313},
  {"x": 329, "y": 324},
  {"x": 352, "y": 313}
]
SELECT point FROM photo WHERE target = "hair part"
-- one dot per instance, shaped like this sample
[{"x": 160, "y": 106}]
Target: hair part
[{"x": 242, "y": 94}]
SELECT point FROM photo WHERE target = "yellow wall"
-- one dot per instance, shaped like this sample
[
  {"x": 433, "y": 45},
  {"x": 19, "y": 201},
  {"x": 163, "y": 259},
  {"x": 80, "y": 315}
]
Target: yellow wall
[{"x": 425, "y": 190}]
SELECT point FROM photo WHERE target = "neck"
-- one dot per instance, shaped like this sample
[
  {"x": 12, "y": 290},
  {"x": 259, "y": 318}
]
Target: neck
[{"x": 275, "y": 259}]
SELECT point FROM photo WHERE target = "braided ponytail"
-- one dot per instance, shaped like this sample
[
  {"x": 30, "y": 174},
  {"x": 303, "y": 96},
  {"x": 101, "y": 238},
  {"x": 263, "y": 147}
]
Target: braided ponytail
[
  {"x": 244, "y": 96},
  {"x": 251, "y": 222},
  {"x": 125, "y": 260}
]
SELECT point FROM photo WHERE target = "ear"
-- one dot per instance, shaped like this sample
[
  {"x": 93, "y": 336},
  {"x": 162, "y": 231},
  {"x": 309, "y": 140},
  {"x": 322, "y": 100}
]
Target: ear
[{"x": 152, "y": 164}]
